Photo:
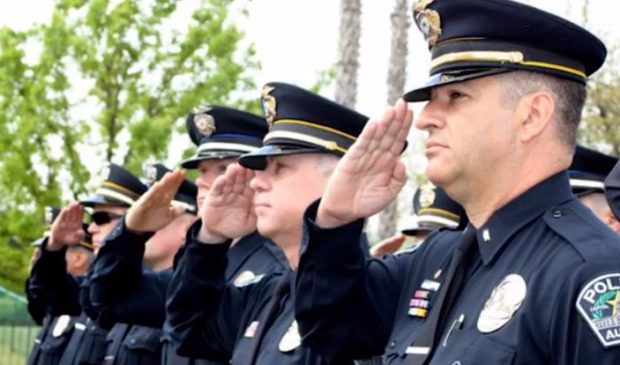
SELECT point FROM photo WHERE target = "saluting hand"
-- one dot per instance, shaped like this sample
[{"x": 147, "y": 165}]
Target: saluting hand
[
  {"x": 370, "y": 174},
  {"x": 227, "y": 211},
  {"x": 67, "y": 228},
  {"x": 154, "y": 210}
]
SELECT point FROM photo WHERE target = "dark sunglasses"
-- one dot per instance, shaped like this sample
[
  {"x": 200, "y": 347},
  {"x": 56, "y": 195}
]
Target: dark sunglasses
[{"x": 101, "y": 218}]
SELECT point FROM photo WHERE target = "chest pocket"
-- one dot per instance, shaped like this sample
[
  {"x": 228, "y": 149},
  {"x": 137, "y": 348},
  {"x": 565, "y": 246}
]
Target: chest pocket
[
  {"x": 92, "y": 350},
  {"x": 470, "y": 347},
  {"x": 58, "y": 336},
  {"x": 143, "y": 339}
]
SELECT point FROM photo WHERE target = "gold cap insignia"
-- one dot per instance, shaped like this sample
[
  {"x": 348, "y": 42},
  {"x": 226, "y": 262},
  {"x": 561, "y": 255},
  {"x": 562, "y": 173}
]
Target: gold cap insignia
[
  {"x": 269, "y": 104},
  {"x": 428, "y": 21},
  {"x": 105, "y": 173},
  {"x": 204, "y": 122}
]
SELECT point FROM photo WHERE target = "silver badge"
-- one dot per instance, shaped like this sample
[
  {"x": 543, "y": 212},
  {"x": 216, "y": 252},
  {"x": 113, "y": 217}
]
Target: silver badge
[
  {"x": 291, "y": 339},
  {"x": 598, "y": 304},
  {"x": 244, "y": 278},
  {"x": 505, "y": 300},
  {"x": 49, "y": 216},
  {"x": 150, "y": 174},
  {"x": 62, "y": 323},
  {"x": 105, "y": 173},
  {"x": 427, "y": 195},
  {"x": 204, "y": 122}
]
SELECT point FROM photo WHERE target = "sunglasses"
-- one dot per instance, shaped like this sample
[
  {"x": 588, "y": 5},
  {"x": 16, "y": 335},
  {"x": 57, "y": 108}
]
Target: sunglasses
[{"x": 101, "y": 218}]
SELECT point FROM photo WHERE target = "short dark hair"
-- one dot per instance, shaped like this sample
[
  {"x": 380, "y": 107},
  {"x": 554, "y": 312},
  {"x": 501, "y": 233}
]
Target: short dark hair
[{"x": 569, "y": 96}]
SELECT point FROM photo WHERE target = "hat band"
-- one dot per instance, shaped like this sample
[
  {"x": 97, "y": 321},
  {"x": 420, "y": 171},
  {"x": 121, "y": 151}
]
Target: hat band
[
  {"x": 514, "y": 57},
  {"x": 211, "y": 146},
  {"x": 439, "y": 220},
  {"x": 114, "y": 186},
  {"x": 115, "y": 195},
  {"x": 328, "y": 145},
  {"x": 581, "y": 183},
  {"x": 440, "y": 212},
  {"x": 280, "y": 122}
]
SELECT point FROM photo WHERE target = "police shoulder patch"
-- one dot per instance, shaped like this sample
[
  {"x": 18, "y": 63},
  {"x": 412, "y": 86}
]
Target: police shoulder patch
[{"x": 598, "y": 304}]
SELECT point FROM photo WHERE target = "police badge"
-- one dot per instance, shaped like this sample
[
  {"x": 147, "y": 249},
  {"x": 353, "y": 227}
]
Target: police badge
[
  {"x": 269, "y": 104},
  {"x": 428, "y": 21},
  {"x": 291, "y": 339},
  {"x": 204, "y": 122},
  {"x": 504, "y": 301},
  {"x": 599, "y": 305}
]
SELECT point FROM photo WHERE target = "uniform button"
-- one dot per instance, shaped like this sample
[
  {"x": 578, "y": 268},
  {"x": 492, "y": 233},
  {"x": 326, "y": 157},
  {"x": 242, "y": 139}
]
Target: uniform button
[
  {"x": 133, "y": 341},
  {"x": 456, "y": 363},
  {"x": 557, "y": 213},
  {"x": 392, "y": 344}
]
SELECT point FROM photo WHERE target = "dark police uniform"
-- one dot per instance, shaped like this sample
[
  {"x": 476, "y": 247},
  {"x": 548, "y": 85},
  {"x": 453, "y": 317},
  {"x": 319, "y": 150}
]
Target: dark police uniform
[
  {"x": 541, "y": 283},
  {"x": 612, "y": 190},
  {"x": 254, "y": 323},
  {"x": 53, "y": 292}
]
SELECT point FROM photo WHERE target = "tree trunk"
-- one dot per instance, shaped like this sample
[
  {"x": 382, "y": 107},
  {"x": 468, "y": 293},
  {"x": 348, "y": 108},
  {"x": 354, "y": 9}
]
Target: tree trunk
[{"x": 348, "y": 52}]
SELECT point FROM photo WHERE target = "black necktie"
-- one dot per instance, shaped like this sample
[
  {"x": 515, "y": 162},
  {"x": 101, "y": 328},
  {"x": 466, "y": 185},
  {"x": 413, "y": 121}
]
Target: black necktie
[{"x": 424, "y": 346}]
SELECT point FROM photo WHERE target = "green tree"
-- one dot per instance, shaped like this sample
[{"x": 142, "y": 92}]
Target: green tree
[{"x": 115, "y": 77}]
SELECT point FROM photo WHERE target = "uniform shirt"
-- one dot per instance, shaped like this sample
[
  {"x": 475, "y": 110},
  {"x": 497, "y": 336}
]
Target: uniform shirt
[
  {"x": 541, "y": 287},
  {"x": 122, "y": 292},
  {"x": 253, "y": 322}
]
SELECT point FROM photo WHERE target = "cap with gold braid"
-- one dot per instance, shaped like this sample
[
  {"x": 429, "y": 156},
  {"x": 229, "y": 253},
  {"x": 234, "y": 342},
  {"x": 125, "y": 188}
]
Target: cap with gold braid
[
  {"x": 475, "y": 38},
  {"x": 612, "y": 190},
  {"x": 434, "y": 210},
  {"x": 220, "y": 132},
  {"x": 588, "y": 171},
  {"x": 303, "y": 122},
  {"x": 119, "y": 188}
]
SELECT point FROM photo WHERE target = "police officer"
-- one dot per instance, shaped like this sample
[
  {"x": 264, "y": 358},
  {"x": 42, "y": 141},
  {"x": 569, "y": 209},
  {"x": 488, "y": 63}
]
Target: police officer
[
  {"x": 433, "y": 209},
  {"x": 254, "y": 324},
  {"x": 118, "y": 189},
  {"x": 612, "y": 190},
  {"x": 587, "y": 173},
  {"x": 123, "y": 293},
  {"x": 56, "y": 330},
  {"x": 534, "y": 278},
  {"x": 221, "y": 135}
]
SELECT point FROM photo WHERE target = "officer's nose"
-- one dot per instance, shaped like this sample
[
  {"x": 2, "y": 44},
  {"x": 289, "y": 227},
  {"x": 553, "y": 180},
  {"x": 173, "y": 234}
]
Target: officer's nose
[
  {"x": 431, "y": 117},
  {"x": 259, "y": 182}
]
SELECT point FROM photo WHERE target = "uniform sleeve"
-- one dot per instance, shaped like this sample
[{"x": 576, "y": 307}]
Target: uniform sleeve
[
  {"x": 345, "y": 304},
  {"x": 117, "y": 270},
  {"x": 202, "y": 310},
  {"x": 586, "y": 326},
  {"x": 51, "y": 286}
]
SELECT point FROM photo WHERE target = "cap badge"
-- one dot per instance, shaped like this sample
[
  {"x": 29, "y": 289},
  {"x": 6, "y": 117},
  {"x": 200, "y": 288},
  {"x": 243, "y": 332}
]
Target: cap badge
[
  {"x": 150, "y": 174},
  {"x": 428, "y": 21},
  {"x": 49, "y": 216},
  {"x": 105, "y": 173},
  {"x": 427, "y": 195},
  {"x": 269, "y": 104},
  {"x": 204, "y": 122}
]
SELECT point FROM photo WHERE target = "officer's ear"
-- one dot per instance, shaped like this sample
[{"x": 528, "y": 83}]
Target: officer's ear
[{"x": 535, "y": 114}]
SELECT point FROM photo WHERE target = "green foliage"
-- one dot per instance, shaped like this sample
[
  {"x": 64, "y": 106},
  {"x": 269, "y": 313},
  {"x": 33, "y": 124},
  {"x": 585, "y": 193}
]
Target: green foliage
[{"x": 117, "y": 77}]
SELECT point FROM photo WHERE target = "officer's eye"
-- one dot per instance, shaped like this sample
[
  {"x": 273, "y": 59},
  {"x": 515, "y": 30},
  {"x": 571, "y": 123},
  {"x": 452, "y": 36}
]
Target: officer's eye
[
  {"x": 456, "y": 94},
  {"x": 221, "y": 169}
]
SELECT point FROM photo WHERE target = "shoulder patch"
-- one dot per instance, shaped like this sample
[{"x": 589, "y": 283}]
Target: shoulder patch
[{"x": 598, "y": 304}]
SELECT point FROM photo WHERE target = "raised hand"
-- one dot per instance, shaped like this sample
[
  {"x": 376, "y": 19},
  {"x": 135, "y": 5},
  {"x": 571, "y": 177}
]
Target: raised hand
[
  {"x": 370, "y": 174},
  {"x": 67, "y": 228},
  {"x": 227, "y": 211},
  {"x": 154, "y": 210},
  {"x": 388, "y": 245}
]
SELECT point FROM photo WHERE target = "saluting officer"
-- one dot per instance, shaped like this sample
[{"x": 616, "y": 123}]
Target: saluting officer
[
  {"x": 535, "y": 277},
  {"x": 255, "y": 323},
  {"x": 587, "y": 173},
  {"x": 117, "y": 191},
  {"x": 221, "y": 135}
]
